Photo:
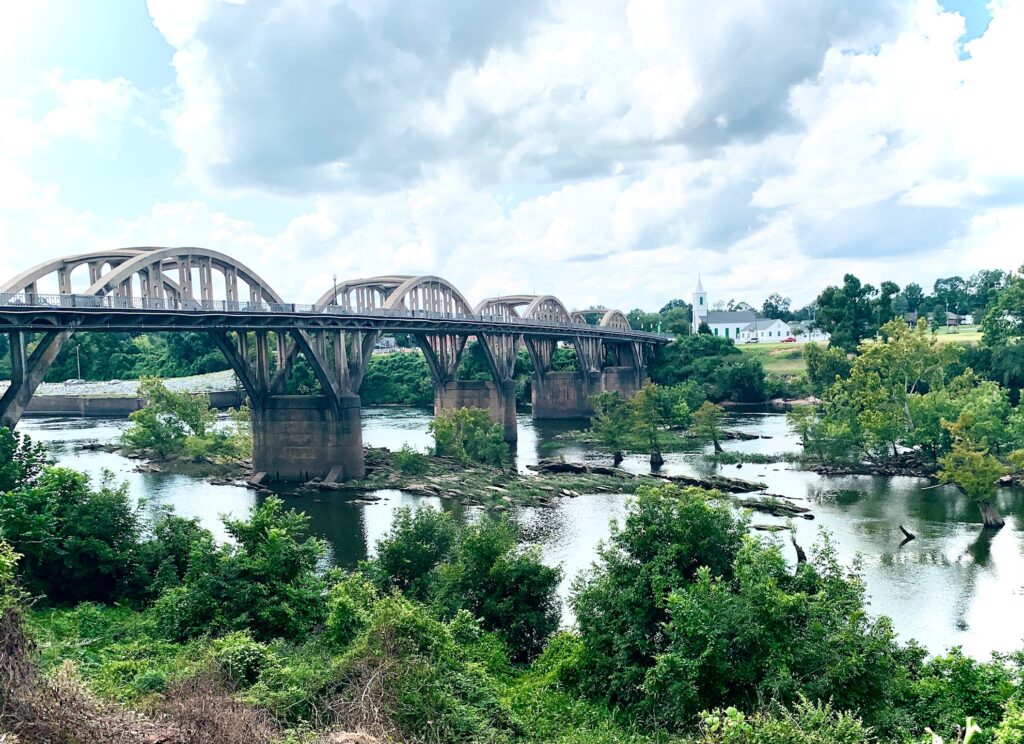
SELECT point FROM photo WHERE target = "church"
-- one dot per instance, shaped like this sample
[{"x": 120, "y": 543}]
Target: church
[{"x": 739, "y": 325}]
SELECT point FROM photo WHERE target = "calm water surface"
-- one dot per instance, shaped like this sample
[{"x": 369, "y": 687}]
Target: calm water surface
[{"x": 954, "y": 585}]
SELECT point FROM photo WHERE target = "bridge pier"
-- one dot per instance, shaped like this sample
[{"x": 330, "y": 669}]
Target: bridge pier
[
  {"x": 564, "y": 395},
  {"x": 499, "y": 400},
  {"x": 623, "y": 380},
  {"x": 298, "y": 437}
]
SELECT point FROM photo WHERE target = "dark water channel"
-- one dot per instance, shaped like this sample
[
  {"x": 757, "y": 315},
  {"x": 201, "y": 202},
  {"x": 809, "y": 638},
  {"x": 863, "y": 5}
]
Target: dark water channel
[{"x": 954, "y": 585}]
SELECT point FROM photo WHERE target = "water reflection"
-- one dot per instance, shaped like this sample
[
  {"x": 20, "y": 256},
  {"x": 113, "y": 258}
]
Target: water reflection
[{"x": 953, "y": 585}]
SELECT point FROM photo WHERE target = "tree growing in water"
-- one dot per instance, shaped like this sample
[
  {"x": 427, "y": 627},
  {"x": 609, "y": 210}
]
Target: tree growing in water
[
  {"x": 468, "y": 435},
  {"x": 973, "y": 470},
  {"x": 707, "y": 423},
  {"x": 612, "y": 422}
]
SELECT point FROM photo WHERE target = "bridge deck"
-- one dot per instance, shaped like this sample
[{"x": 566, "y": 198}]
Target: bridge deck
[{"x": 39, "y": 313}]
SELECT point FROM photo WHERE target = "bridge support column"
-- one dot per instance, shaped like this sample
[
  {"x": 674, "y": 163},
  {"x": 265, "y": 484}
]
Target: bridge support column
[
  {"x": 564, "y": 395},
  {"x": 298, "y": 437},
  {"x": 499, "y": 400},
  {"x": 622, "y": 380}
]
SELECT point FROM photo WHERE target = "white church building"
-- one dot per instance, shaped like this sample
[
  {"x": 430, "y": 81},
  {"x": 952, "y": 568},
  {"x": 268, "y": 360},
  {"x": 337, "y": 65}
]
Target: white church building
[{"x": 739, "y": 325}]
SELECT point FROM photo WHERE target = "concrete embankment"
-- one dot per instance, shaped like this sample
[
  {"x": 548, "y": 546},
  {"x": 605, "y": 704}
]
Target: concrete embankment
[{"x": 119, "y": 398}]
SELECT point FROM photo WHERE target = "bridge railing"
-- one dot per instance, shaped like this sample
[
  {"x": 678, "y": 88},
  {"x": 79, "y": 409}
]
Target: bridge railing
[{"x": 173, "y": 304}]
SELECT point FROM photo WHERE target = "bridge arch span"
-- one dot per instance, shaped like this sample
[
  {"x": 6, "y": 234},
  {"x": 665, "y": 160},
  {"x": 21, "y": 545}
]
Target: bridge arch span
[
  {"x": 371, "y": 293},
  {"x": 615, "y": 319},
  {"x": 156, "y": 261}
]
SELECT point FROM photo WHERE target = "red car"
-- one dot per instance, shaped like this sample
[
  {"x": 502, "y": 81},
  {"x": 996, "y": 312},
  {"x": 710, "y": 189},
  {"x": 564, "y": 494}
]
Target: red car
[{"x": 788, "y": 340}]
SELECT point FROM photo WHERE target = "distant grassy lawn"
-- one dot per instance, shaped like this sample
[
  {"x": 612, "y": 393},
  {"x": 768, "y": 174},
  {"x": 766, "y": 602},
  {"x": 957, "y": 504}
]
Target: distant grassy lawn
[
  {"x": 961, "y": 335},
  {"x": 777, "y": 358},
  {"x": 788, "y": 359}
]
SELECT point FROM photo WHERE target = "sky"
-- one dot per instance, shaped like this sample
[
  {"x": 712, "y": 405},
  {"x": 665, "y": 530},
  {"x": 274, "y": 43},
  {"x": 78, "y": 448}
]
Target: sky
[{"x": 604, "y": 151}]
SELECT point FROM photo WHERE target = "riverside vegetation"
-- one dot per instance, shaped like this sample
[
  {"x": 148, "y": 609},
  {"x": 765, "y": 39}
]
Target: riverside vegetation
[{"x": 688, "y": 630}]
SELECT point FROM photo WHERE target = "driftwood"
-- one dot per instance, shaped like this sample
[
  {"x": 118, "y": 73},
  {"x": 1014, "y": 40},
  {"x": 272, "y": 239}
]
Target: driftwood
[
  {"x": 555, "y": 467},
  {"x": 907, "y": 535},
  {"x": 720, "y": 482},
  {"x": 776, "y": 508},
  {"x": 801, "y": 556}
]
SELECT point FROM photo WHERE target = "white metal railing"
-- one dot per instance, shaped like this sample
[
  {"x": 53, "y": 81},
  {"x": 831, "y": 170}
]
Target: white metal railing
[{"x": 173, "y": 304}]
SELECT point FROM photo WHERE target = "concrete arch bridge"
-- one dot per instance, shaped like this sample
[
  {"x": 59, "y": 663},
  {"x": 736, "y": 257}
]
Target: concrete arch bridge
[{"x": 198, "y": 289}]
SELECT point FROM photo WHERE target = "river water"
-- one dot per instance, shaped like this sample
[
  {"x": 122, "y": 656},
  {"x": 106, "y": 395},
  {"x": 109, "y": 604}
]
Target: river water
[{"x": 953, "y": 585}]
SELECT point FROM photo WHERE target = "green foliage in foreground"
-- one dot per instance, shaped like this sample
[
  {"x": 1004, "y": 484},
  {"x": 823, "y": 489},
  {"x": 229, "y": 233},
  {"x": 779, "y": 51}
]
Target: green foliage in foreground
[
  {"x": 174, "y": 424},
  {"x": 690, "y": 631},
  {"x": 468, "y": 435}
]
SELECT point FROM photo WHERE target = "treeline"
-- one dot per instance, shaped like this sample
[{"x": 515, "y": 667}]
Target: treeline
[{"x": 688, "y": 630}]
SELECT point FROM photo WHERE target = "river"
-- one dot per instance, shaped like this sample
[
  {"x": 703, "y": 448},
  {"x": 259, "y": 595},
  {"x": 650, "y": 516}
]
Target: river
[{"x": 953, "y": 585}]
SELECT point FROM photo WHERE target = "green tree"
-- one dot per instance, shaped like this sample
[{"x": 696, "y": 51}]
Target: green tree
[
  {"x": 973, "y": 470},
  {"x": 409, "y": 554},
  {"x": 507, "y": 587},
  {"x": 765, "y": 633},
  {"x": 77, "y": 544},
  {"x": 621, "y": 604},
  {"x": 824, "y": 366},
  {"x": 707, "y": 423},
  {"x": 174, "y": 423},
  {"x": 265, "y": 580},
  {"x": 845, "y": 312},
  {"x": 648, "y": 420},
  {"x": 612, "y": 423},
  {"x": 468, "y": 435},
  {"x": 21, "y": 460}
]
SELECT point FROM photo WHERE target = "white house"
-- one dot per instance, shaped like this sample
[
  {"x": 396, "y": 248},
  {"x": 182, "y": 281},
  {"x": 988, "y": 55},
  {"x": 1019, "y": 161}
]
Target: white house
[
  {"x": 739, "y": 325},
  {"x": 766, "y": 329}
]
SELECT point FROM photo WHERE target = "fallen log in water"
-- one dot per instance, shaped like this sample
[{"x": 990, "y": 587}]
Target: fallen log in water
[{"x": 776, "y": 508}]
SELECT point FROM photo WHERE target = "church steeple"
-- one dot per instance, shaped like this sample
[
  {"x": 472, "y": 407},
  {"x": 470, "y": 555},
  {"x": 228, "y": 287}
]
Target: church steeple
[{"x": 700, "y": 305}]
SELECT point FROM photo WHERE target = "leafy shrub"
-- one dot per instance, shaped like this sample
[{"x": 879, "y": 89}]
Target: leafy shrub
[
  {"x": 265, "y": 581},
  {"x": 805, "y": 723},
  {"x": 767, "y": 634},
  {"x": 507, "y": 587},
  {"x": 951, "y": 687},
  {"x": 621, "y": 605},
  {"x": 77, "y": 544},
  {"x": 409, "y": 554},
  {"x": 348, "y": 609},
  {"x": 240, "y": 658},
  {"x": 184, "y": 424},
  {"x": 468, "y": 435},
  {"x": 407, "y": 678},
  {"x": 21, "y": 461},
  {"x": 411, "y": 462},
  {"x": 1011, "y": 728},
  {"x": 9, "y": 592}
]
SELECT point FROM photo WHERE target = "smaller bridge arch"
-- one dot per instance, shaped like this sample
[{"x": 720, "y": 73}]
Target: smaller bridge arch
[{"x": 615, "y": 319}]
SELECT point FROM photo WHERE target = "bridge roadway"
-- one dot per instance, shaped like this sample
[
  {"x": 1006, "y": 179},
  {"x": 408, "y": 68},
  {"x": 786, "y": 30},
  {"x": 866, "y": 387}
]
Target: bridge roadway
[{"x": 261, "y": 337}]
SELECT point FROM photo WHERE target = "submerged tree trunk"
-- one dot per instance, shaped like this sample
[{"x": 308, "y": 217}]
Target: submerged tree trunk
[
  {"x": 656, "y": 459},
  {"x": 990, "y": 515},
  {"x": 617, "y": 458}
]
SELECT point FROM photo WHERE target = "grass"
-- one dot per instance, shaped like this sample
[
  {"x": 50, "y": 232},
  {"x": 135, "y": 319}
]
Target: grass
[
  {"x": 781, "y": 359},
  {"x": 963, "y": 335}
]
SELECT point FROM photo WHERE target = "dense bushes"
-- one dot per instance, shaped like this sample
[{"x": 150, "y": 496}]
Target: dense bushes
[
  {"x": 468, "y": 435},
  {"x": 402, "y": 377},
  {"x": 173, "y": 424},
  {"x": 77, "y": 544},
  {"x": 689, "y": 630},
  {"x": 265, "y": 581},
  {"x": 479, "y": 568},
  {"x": 714, "y": 362}
]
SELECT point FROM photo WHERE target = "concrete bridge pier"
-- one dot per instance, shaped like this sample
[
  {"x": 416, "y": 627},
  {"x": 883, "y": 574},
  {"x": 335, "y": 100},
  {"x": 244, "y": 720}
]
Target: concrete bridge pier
[
  {"x": 298, "y": 437},
  {"x": 623, "y": 380},
  {"x": 498, "y": 399},
  {"x": 564, "y": 395}
]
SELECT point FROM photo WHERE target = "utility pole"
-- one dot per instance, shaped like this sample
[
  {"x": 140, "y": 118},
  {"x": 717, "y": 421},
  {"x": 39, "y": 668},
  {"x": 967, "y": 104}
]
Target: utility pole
[{"x": 78, "y": 358}]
